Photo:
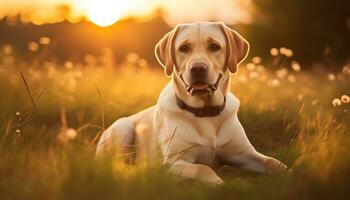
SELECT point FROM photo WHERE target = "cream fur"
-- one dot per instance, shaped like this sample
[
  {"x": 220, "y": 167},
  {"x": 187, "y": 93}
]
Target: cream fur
[{"x": 190, "y": 145}]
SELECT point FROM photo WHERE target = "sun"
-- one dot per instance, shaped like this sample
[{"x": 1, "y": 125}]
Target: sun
[{"x": 104, "y": 12}]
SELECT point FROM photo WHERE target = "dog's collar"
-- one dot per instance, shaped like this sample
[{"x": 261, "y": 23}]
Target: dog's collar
[
  {"x": 205, "y": 111},
  {"x": 211, "y": 88}
]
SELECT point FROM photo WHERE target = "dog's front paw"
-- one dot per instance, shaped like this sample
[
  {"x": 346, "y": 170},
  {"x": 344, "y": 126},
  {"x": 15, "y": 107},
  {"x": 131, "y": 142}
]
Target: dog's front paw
[
  {"x": 215, "y": 181},
  {"x": 207, "y": 175},
  {"x": 274, "y": 166}
]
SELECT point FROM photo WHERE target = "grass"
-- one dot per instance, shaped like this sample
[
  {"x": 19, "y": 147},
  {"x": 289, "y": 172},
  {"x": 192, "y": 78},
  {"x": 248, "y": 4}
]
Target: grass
[{"x": 51, "y": 117}]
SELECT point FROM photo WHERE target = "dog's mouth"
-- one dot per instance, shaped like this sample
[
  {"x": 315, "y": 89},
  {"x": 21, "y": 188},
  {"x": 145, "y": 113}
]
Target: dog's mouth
[
  {"x": 201, "y": 88},
  {"x": 199, "y": 85}
]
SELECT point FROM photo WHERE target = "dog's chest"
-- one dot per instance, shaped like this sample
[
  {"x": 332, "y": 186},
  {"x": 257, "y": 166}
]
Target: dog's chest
[
  {"x": 206, "y": 135},
  {"x": 206, "y": 132}
]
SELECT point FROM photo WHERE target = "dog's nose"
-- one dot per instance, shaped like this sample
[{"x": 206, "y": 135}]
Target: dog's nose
[{"x": 198, "y": 69}]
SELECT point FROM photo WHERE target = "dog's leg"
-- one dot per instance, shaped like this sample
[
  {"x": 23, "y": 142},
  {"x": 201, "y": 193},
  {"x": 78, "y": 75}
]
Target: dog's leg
[
  {"x": 257, "y": 162},
  {"x": 117, "y": 140},
  {"x": 195, "y": 171},
  {"x": 239, "y": 151}
]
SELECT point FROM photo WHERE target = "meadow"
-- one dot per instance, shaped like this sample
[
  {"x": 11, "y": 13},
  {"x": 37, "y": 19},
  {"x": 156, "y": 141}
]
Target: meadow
[{"x": 51, "y": 115}]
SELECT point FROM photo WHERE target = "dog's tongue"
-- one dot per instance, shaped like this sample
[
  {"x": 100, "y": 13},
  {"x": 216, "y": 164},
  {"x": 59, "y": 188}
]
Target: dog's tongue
[{"x": 199, "y": 86}]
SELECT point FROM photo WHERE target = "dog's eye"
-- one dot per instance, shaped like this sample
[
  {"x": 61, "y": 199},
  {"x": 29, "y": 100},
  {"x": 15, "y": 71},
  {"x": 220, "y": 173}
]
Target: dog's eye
[
  {"x": 184, "y": 48},
  {"x": 214, "y": 47}
]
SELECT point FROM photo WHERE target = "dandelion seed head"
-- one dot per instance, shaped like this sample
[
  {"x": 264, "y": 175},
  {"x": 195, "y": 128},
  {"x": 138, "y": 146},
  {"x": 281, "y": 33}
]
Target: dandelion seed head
[
  {"x": 68, "y": 65},
  {"x": 18, "y": 113},
  {"x": 33, "y": 46},
  {"x": 7, "y": 50},
  {"x": 242, "y": 78},
  {"x": 331, "y": 77},
  {"x": 256, "y": 60},
  {"x": 250, "y": 67},
  {"x": 273, "y": 83},
  {"x": 286, "y": 52},
  {"x": 18, "y": 131},
  {"x": 345, "y": 98},
  {"x": 71, "y": 134},
  {"x": 132, "y": 58},
  {"x": 260, "y": 68},
  {"x": 282, "y": 73},
  {"x": 346, "y": 69},
  {"x": 314, "y": 102},
  {"x": 89, "y": 59},
  {"x": 289, "y": 53},
  {"x": 78, "y": 74},
  {"x": 283, "y": 50},
  {"x": 44, "y": 40},
  {"x": 291, "y": 78},
  {"x": 253, "y": 75},
  {"x": 295, "y": 66},
  {"x": 143, "y": 63},
  {"x": 274, "y": 52},
  {"x": 336, "y": 102},
  {"x": 67, "y": 135}
]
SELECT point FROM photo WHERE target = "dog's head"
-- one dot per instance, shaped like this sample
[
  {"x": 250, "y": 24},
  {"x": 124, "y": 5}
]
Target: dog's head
[{"x": 200, "y": 54}]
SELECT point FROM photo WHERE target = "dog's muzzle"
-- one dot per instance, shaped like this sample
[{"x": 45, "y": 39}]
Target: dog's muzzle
[{"x": 210, "y": 89}]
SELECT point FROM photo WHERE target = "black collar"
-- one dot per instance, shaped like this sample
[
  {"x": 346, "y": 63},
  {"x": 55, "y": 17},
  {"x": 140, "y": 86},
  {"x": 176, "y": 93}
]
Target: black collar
[{"x": 205, "y": 111}]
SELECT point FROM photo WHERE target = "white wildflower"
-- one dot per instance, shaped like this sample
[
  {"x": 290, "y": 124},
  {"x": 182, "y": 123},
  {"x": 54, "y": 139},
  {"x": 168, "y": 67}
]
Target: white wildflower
[
  {"x": 273, "y": 83},
  {"x": 132, "y": 58},
  {"x": 67, "y": 135},
  {"x": 281, "y": 73},
  {"x": 78, "y": 74},
  {"x": 314, "y": 102},
  {"x": 7, "y": 50},
  {"x": 242, "y": 78},
  {"x": 346, "y": 69},
  {"x": 33, "y": 46},
  {"x": 289, "y": 53},
  {"x": 143, "y": 63},
  {"x": 68, "y": 65},
  {"x": 274, "y": 52},
  {"x": 336, "y": 102},
  {"x": 295, "y": 66},
  {"x": 45, "y": 40},
  {"x": 331, "y": 77},
  {"x": 253, "y": 75},
  {"x": 345, "y": 98},
  {"x": 250, "y": 67},
  {"x": 291, "y": 78},
  {"x": 260, "y": 68},
  {"x": 256, "y": 60}
]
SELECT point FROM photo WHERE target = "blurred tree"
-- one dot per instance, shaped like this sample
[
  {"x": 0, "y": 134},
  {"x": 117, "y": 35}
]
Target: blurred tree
[{"x": 316, "y": 30}]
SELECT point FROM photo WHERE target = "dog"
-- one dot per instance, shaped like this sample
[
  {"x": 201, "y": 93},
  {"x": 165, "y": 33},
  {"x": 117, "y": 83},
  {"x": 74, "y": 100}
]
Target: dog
[{"x": 194, "y": 124}]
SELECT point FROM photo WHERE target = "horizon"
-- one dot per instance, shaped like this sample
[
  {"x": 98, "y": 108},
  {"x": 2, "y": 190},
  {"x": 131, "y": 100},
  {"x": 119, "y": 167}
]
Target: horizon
[{"x": 110, "y": 12}]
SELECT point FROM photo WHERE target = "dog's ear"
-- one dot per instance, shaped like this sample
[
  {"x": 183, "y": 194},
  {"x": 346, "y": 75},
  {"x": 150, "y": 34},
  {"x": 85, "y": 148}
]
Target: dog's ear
[
  {"x": 164, "y": 51},
  {"x": 237, "y": 47}
]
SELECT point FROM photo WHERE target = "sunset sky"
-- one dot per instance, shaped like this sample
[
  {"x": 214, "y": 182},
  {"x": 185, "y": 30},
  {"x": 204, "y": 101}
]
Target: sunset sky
[{"x": 105, "y": 12}]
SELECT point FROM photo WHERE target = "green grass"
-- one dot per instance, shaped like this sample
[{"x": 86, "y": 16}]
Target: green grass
[{"x": 294, "y": 122}]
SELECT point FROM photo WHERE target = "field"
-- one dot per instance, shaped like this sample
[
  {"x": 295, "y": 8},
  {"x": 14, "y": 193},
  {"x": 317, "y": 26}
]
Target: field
[{"x": 52, "y": 115}]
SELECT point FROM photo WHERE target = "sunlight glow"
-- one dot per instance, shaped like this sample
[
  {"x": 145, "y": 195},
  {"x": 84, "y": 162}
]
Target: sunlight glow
[{"x": 104, "y": 12}]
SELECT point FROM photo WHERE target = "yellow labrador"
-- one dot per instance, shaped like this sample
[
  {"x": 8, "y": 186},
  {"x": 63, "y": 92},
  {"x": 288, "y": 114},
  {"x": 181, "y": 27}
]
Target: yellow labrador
[{"x": 195, "y": 123}]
